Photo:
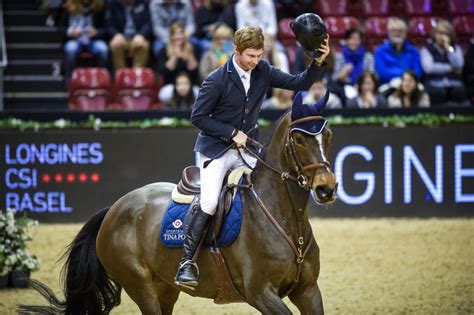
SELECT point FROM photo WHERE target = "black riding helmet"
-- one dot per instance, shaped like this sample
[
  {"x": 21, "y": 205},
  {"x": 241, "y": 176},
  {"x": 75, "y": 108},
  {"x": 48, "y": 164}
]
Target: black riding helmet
[{"x": 310, "y": 32}]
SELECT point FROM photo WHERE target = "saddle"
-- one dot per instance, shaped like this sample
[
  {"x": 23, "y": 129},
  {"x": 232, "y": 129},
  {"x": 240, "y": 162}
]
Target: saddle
[{"x": 189, "y": 187}]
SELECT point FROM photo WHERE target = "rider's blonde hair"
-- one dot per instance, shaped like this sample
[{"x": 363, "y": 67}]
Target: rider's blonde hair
[{"x": 248, "y": 37}]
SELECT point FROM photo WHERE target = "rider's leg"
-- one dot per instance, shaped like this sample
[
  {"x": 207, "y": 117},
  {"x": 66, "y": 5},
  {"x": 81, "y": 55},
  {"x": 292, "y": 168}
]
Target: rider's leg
[{"x": 211, "y": 183}]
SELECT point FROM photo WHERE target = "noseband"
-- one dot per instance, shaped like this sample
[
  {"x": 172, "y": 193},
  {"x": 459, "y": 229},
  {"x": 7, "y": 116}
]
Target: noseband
[{"x": 295, "y": 161}]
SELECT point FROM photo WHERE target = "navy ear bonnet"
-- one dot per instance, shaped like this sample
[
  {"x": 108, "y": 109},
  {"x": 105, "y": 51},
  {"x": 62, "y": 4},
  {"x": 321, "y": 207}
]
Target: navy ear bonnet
[{"x": 300, "y": 110}]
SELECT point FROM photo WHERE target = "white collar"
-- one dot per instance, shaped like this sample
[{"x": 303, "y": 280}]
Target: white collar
[{"x": 241, "y": 71}]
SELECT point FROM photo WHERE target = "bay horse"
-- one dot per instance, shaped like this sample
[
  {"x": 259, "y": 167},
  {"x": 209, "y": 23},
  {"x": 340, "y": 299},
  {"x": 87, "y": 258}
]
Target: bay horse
[{"x": 275, "y": 254}]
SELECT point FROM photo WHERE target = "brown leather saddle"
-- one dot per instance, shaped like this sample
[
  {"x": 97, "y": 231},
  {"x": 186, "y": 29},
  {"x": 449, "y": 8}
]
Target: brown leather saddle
[{"x": 190, "y": 184}]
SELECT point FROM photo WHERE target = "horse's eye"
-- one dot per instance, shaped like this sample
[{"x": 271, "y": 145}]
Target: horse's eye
[{"x": 299, "y": 140}]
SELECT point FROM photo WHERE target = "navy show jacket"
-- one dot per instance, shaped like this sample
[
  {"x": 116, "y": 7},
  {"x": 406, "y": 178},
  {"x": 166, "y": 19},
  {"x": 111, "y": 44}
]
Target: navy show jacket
[{"x": 221, "y": 104}]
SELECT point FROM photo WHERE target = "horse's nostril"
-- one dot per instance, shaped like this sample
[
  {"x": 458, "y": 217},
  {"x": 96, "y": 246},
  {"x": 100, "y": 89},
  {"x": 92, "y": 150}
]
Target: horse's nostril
[{"x": 324, "y": 191}]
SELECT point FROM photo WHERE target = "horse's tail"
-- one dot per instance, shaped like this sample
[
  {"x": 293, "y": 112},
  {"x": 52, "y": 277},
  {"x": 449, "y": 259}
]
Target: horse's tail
[{"x": 87, "y": 287}]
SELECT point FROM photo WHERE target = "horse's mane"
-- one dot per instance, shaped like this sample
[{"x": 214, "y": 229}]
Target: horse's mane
[{"x": 275, "y": 127}]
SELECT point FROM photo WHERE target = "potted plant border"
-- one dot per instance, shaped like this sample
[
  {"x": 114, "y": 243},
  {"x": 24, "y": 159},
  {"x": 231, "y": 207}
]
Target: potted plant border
[{"x": 16, "y": 262}]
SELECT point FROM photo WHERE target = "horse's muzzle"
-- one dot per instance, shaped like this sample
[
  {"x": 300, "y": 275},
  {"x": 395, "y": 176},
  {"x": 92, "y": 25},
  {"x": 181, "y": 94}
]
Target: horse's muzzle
[{"x": 325, "y": 193}]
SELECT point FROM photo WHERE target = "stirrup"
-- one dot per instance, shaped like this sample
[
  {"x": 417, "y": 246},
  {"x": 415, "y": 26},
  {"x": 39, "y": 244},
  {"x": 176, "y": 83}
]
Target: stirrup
[{"x": 186, "y": 262}]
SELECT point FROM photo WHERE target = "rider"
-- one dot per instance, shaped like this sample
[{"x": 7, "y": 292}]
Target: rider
[{"x": 226, "y": 111}]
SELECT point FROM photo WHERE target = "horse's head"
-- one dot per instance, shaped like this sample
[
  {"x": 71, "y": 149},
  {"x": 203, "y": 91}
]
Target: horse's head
[{"x": 307, "y": 148}]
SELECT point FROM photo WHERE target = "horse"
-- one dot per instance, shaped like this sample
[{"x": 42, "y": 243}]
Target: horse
[{"x": 275, "y": 254}]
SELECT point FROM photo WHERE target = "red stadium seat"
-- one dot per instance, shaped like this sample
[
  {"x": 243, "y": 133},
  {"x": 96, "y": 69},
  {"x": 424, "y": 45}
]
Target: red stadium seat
[
  {"x": 375, "y": 31},
  {"x": 331, "y": 7},
  {"x": 89, "y": 89},
  {"x": 418, "y": 7},
  {"x": 337, "y": 26},
  {"x": 419, "y": 29},
  {"x": 375, "y": 7},
  {"x": 464, "y": 29},
  {"x": 135, "y": 88},
  {"x": 461, "y": 7},
  {"x": 285, "y": 33}
]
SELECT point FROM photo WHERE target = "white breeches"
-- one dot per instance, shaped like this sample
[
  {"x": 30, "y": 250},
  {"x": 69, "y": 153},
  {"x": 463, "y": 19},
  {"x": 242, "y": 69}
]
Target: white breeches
[{"x": 212, "y": 176}]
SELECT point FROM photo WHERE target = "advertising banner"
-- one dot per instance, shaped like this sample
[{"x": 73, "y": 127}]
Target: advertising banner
[{"x": 67, "y": 175}]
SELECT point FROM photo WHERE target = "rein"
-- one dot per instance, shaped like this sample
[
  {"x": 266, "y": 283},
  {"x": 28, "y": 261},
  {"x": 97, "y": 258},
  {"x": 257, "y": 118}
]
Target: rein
[{"x": 298, "y": 249}]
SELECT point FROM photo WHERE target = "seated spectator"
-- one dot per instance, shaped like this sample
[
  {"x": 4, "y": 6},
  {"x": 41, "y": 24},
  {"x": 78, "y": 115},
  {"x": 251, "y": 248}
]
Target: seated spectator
[
  {"x": 177, "y": 56},
  {"x": 317, "y": 91},
  {"x": 409, "y": 94},
  {"x": 166, "y": 12},
  {"x": 351, "y": 61},
  {"x": 85, "y": 32},
  {"x": 274, "y": 56},
  {"x": 257, "y": 13},
  {"x": 368, "y": 96},
  {"x": 128, "y": 24},
  {"x": 181, "y": 94},
  {"x": 442, "y": 61},
  {"x": 208, "y": 17},
  {"x": 468, "y": 72},
  {"x": 281, "y": 99},
  {"x": 219, "y": 53},
  {"x": 396, "y": 55}
]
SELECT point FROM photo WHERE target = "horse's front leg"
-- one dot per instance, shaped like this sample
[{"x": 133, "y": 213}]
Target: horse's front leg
[
  {"x": 308, "y": 299},
  {"x": 267, "y": 302}
]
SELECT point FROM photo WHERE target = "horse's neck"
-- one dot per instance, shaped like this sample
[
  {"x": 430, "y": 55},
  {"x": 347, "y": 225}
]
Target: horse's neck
[{"x": 287, "y": 201}]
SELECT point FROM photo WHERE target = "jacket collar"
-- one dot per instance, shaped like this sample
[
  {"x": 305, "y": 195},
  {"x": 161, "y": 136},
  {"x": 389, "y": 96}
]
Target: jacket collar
[{"x": 234, "y": 76}]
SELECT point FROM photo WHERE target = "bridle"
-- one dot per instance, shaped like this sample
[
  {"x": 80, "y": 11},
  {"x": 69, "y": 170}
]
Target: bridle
[
  {"x": 292, "y": 157},
  {"x": 304, "y": 242}
]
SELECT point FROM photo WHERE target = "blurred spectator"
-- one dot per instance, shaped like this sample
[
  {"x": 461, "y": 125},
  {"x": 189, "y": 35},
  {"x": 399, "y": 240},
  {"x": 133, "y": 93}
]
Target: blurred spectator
[
  {"x": 274, "y": 56},
  {"x": 317, "y": 91},
  {"x": 352, "y": 60},
  {"x": 281, "y": 99},
  {"x": 128, "y": 24},
  {"x": 85, "y": 32},
  {"x": 177, "y": 56},
  {"x": 166, "y": 12},
  {"x": 257, "y": 13},
  {"x": 368, "y": 96},
  {"x": 468, "y": 72},
  {"x": 409, "y": 94},
  {"x": 211, "y": 14},
  {"x": 181, "y": 94},
  {"x": 442, "y": 62},
  {"x": 396, "y": 55},
  {"x": 219, "y": 53}
]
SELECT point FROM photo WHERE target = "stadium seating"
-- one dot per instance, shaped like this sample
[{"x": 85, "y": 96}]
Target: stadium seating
[
  {"x": 331, "y": 7},
  {"x": 89, "y": 89},
  {"x": 135, "y": 88},
  {"x": 375, "y": 7},
  {"x": 375, "y": 31},
  {"x": 461, "y": 7},
  {"x": 337, "y": 27},
  {"x": 419, "y": 29},
  {"x": 464, "y": 29},
  {"x": 418, "y": 7}
]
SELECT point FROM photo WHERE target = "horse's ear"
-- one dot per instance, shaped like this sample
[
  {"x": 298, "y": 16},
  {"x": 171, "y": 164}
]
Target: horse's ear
[
  {"x": 298, "y": 100},
  {"x": 319, "y": 106},
  {"x": 297, "y": 109}
]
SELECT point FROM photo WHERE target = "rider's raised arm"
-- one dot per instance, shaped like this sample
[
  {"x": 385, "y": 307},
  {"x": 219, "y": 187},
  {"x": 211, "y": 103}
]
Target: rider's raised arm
[
  {"x": 201, "y": 115},
  {"x": 299, "y": 82}
]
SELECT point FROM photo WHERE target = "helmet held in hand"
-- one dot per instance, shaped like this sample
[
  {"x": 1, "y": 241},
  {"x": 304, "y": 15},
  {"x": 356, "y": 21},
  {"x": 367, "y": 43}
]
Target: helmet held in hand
[{"x": 310, "y": 32}]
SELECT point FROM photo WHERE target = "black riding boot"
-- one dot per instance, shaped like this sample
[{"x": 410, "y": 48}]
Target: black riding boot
[{"x": 188, "y": 274}]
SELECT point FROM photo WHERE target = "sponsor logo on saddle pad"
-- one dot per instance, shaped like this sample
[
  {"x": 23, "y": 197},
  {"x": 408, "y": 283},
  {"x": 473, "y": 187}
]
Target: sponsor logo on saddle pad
[
  {"x": 172, "y": 234},
  {"x": 177, "y": 223}
]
